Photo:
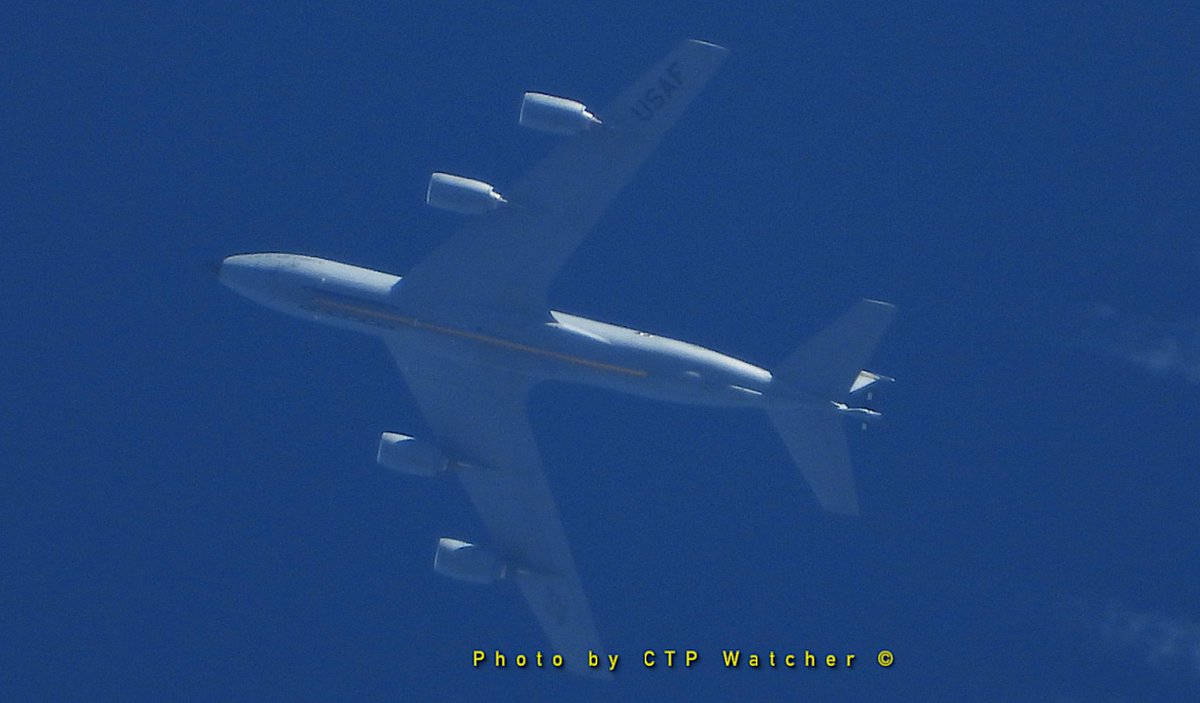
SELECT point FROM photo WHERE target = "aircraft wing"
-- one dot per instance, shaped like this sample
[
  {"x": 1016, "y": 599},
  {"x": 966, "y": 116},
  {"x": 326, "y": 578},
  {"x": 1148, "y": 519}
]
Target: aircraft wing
[
  {"x": 498, "y": 267},
  {"x": 478, "y": 415}
]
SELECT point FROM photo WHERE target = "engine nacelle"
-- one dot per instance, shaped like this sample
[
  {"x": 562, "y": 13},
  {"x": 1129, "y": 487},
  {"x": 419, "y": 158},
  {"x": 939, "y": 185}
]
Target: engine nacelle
[
  {"x": 408, "y": 455},
  {"x": 548, "y": 113},
  {"x": 467, "y": 562},
  {"x": 465, "y": 196}
]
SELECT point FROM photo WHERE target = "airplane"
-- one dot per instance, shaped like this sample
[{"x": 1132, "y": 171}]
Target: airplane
[{"x": 471, "y": 330}]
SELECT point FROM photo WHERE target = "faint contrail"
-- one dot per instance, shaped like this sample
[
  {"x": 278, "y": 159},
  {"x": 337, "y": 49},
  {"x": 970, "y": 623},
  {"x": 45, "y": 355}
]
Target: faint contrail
[
  {"x": 1164, "y": 348},
  {"x": 1163, "y": 643}
]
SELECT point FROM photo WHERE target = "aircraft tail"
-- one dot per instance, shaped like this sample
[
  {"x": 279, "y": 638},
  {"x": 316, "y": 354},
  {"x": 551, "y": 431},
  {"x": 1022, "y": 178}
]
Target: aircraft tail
[
  {"x": 829, "y": 367},
  {"x": 817, "y": 442}
]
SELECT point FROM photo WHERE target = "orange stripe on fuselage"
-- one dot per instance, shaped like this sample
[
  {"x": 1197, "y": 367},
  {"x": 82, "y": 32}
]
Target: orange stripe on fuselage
[{"x": 475, "y": 336}]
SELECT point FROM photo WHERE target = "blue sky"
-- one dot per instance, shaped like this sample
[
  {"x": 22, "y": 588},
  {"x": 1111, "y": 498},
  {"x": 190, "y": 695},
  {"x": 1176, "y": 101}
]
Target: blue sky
[{"x": 189, "y": 504}]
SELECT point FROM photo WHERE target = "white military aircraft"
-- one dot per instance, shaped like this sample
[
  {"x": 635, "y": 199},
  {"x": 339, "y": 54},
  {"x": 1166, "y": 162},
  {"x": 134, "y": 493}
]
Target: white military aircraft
[{"x": 472, "y": 332}]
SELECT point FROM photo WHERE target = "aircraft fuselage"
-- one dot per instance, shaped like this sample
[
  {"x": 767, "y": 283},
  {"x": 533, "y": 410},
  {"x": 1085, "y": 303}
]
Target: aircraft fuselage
[{"x": 563, "y": 347}]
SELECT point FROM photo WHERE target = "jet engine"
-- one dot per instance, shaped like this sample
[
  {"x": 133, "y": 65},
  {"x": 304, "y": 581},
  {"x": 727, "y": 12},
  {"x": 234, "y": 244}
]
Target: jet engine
[
  {"x": 465, "y": 196},
  {"x": 467, "y": 562},
  {"x": 548, "y": 113},
  {"x": 408, "y": 455}
]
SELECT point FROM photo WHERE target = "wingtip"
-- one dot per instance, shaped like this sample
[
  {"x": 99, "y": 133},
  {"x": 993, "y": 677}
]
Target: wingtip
[{"x": 708, "y": 44}]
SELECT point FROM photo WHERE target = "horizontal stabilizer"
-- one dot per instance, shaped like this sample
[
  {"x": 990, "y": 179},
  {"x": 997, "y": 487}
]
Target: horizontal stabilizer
[
  {"x": 829, "y": 364},
  {"x": 816, "y": 439}
]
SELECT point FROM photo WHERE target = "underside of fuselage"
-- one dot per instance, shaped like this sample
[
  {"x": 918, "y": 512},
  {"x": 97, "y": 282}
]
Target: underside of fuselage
[{"x": 560, "y": 346}]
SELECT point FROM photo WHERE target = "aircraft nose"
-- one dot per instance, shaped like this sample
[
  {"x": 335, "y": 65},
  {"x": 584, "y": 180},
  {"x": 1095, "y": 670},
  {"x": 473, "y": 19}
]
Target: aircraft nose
[{"x": 252, "y": 275}]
